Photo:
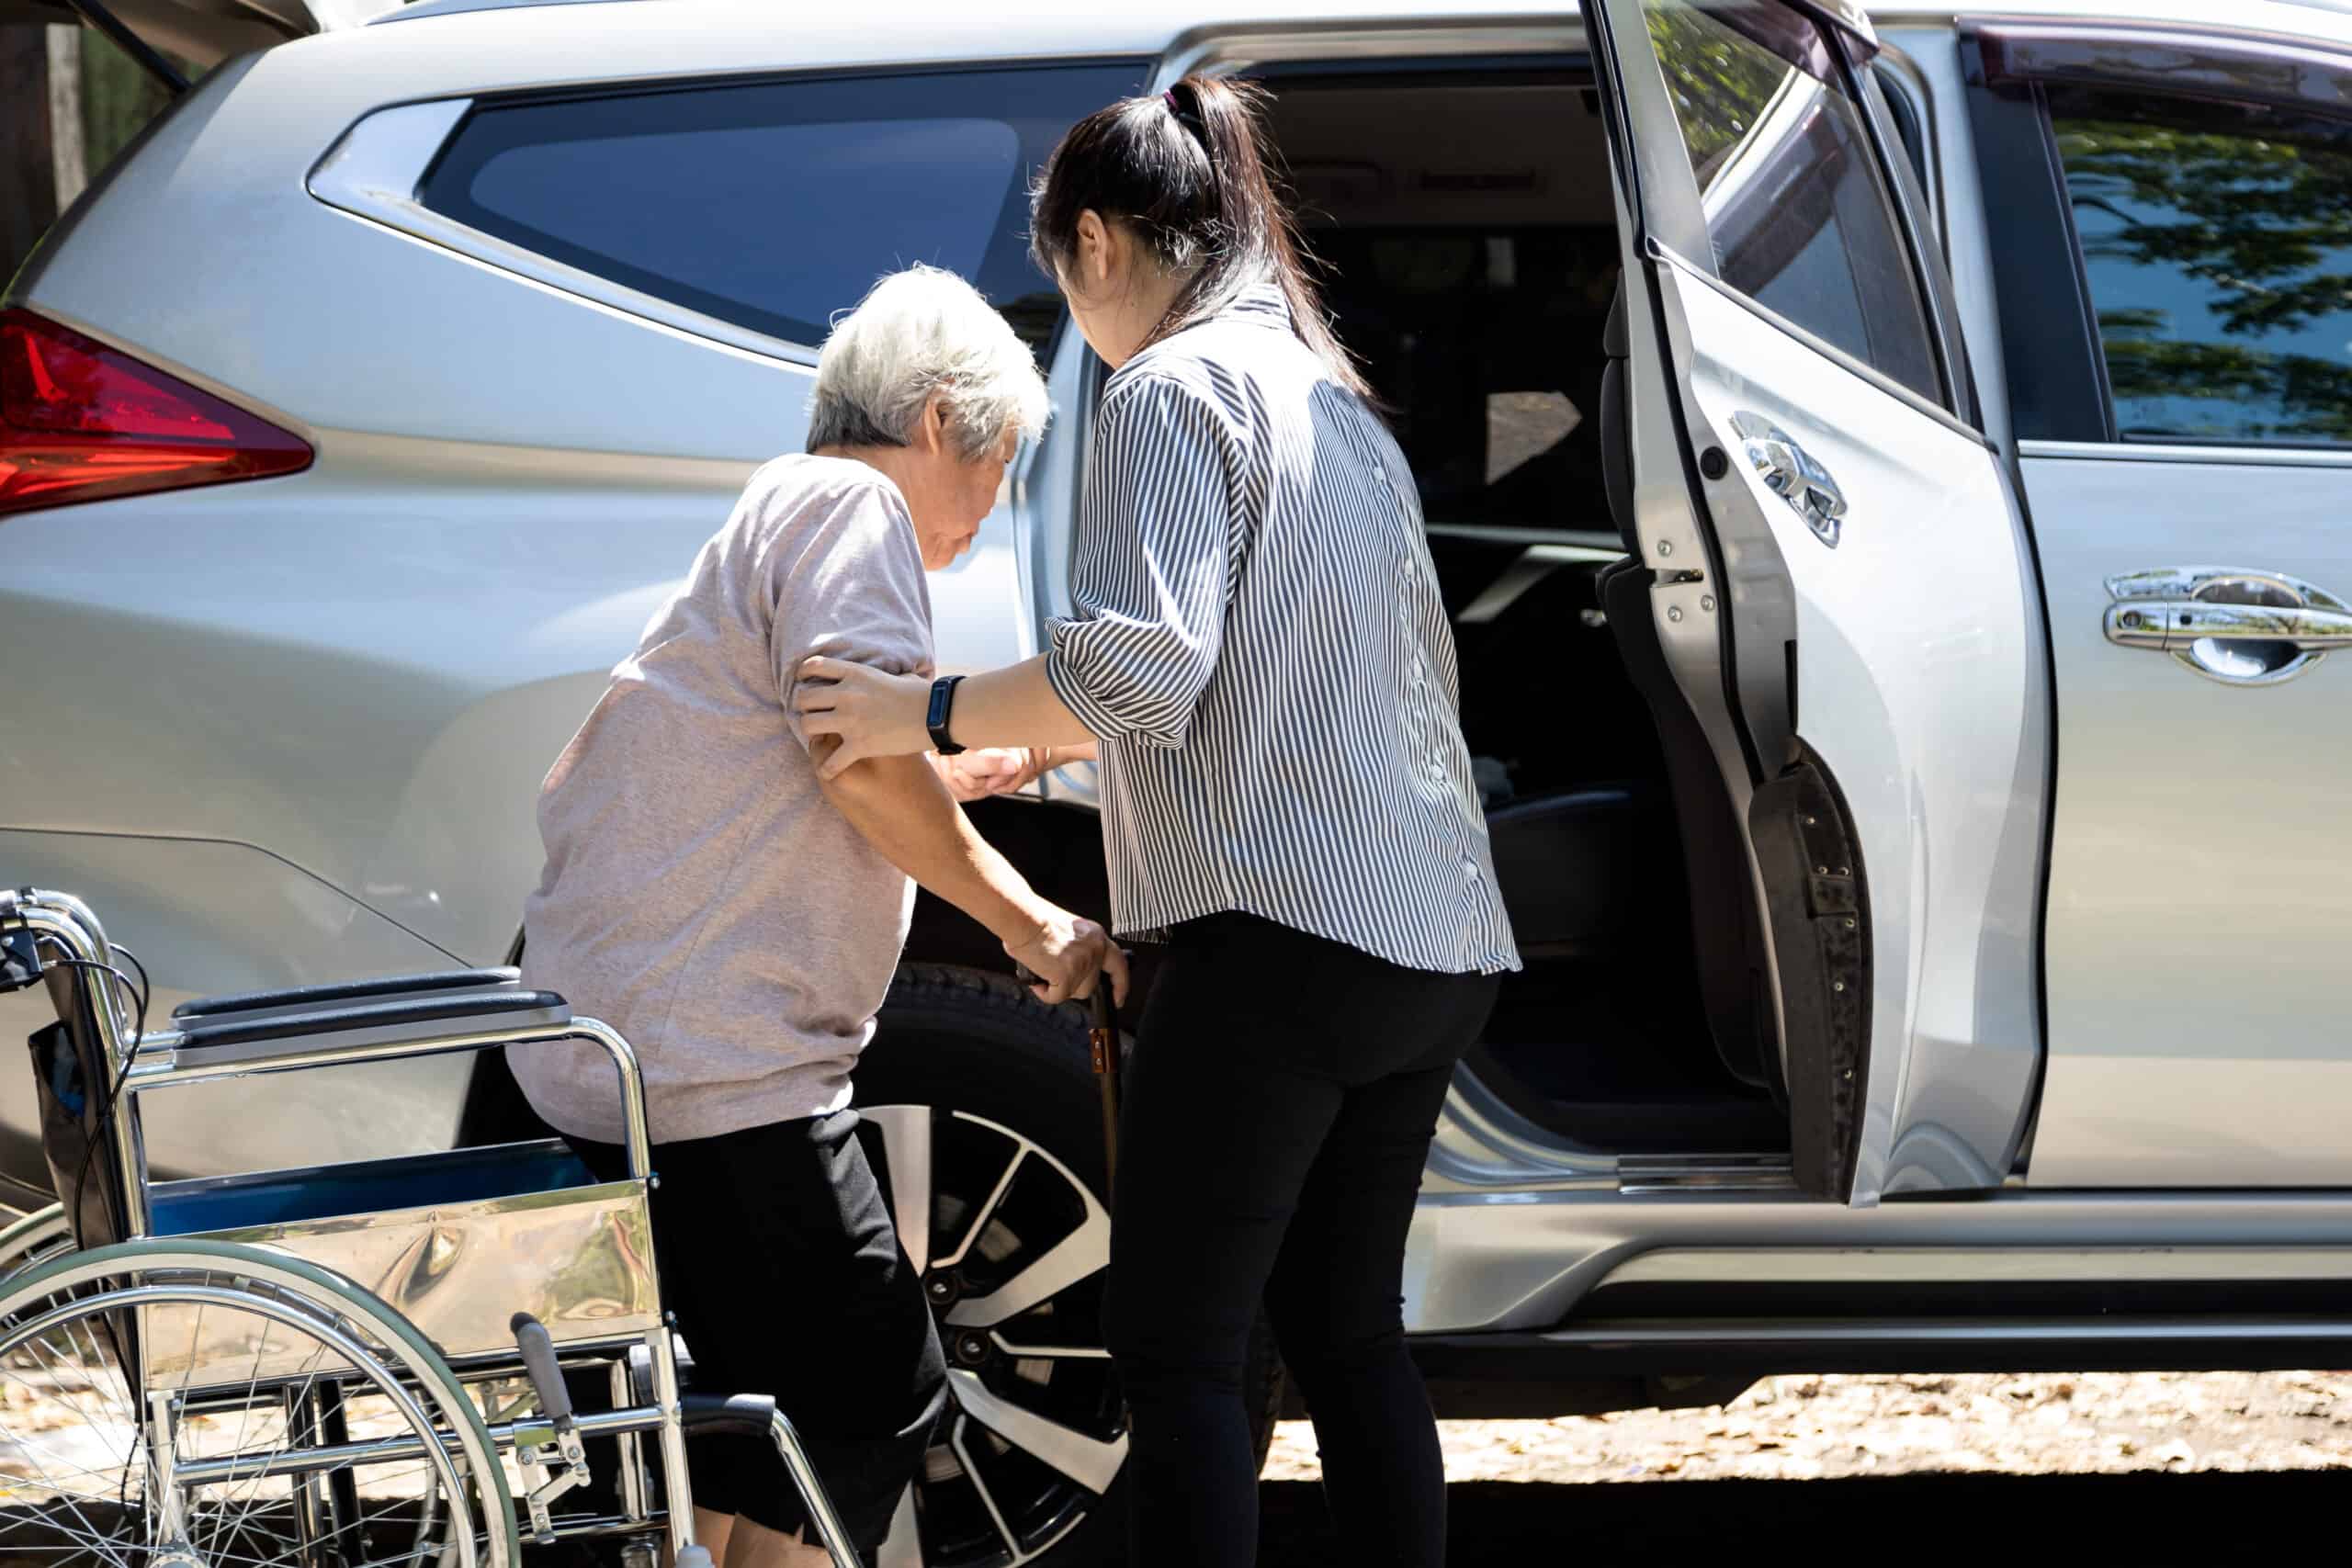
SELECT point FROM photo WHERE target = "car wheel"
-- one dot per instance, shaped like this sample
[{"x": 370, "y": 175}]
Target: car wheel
[{"x": 983, "y": 1121}]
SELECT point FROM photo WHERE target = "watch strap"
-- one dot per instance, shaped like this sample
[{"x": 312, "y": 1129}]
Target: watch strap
[{"x": 942, "y": 705}]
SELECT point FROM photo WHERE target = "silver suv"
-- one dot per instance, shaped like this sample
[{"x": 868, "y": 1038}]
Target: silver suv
[{"x": 1887, "y": 481}]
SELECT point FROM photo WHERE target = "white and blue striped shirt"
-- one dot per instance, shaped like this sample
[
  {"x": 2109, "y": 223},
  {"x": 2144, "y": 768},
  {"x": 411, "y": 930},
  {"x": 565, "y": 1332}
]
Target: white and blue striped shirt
[{"x": 1261, "y": 644}]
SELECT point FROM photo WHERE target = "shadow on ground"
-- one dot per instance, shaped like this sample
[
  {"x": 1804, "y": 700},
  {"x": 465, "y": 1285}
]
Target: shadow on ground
[{"x": 2156, "y": 1517}]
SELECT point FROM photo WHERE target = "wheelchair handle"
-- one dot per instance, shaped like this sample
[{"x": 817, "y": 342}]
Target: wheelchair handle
[{"x": 537, "y": 1345}]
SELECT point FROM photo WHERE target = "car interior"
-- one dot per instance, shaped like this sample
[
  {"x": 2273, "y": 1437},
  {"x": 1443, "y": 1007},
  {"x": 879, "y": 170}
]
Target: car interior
[{"x": 1468, "y": 231}]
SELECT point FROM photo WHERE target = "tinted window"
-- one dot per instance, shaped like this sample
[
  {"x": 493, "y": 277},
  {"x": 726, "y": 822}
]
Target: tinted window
[
  {"x": 1797, "y": 213},
  {"x": 2218, "y": 243},
  {"x": 776, "y": 204}
]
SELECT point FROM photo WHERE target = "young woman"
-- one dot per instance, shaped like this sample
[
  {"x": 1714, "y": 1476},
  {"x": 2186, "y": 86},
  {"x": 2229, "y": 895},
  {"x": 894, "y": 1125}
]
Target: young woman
[{"x": 1261, "y": 653}]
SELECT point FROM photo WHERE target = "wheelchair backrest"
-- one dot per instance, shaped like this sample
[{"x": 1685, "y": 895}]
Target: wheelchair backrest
[{"x": 74, "y": 1082}]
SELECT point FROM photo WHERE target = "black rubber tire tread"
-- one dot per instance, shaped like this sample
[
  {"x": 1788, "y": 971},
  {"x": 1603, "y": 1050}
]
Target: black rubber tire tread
[{"x": 1032, "y": 1073}]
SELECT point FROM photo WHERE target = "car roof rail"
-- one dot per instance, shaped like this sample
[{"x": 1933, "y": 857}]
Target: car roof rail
[{"x": 418, "y": 8}]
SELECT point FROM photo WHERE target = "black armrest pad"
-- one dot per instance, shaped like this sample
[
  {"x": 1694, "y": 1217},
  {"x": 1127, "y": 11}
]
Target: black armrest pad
[
  {"x": 334, "y": 1019},
  {"x": 347, "y": 990},
  {"x": 740, "y": 1415}
]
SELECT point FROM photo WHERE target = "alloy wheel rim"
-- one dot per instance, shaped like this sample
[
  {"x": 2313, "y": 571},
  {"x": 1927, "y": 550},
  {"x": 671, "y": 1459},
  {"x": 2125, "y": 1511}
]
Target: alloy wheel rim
[{"x": 1011, "y": 1247}]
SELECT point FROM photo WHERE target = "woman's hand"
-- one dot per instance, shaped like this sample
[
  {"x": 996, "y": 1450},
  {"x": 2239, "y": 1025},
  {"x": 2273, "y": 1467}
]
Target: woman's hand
[
  {"x": 872, "y": 714},
  {"x": 999, "y": 770},
  {"x": 986, "y": 770}
]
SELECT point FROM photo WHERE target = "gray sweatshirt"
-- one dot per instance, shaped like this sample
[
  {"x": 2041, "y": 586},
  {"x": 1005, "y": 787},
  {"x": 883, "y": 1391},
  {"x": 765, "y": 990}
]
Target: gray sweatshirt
[{"x": 701, "y": 893}]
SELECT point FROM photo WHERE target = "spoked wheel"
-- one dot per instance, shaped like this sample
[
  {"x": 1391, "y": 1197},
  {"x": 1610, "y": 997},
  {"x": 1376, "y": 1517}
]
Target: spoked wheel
[
  {"x": 185, "y": 1406},
  {"x": 36, "y": 1238}
]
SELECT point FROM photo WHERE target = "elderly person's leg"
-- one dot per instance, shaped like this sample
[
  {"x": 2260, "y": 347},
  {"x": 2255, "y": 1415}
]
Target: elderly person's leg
[{"x": 777, "y": 1254}]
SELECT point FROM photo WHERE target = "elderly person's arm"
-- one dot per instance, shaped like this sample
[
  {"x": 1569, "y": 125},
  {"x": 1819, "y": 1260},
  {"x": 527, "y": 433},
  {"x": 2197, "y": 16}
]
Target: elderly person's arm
[
  {"x": 847, "y": 580},
  {"x": 903, "y": 810}
]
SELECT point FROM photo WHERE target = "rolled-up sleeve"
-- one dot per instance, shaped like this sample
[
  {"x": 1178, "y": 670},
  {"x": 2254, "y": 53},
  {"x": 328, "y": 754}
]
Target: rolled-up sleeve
[{"x": 1150, "y": 569}]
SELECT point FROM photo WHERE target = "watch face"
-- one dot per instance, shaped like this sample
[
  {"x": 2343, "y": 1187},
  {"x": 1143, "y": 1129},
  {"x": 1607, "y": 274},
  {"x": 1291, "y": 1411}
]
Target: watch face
[{"x": 943, "y": 696}]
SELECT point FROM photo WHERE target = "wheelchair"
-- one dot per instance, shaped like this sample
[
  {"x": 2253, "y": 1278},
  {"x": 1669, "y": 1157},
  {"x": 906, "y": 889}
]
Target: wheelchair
[{"x": 349, "y": 1366}]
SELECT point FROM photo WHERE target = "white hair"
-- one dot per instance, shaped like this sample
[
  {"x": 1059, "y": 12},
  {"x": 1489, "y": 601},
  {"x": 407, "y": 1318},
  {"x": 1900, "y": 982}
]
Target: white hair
[{"x": 916, "y": 333}]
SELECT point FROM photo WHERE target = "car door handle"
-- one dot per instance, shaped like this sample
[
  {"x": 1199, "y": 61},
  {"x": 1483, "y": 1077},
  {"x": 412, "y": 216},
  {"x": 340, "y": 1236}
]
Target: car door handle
[
  {"x": 2244, "y": 629},
  {"x": 1791, "y": 473}
]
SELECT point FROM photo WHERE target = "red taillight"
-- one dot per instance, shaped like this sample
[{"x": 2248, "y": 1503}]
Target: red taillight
[{"x": 80, "y": 421}]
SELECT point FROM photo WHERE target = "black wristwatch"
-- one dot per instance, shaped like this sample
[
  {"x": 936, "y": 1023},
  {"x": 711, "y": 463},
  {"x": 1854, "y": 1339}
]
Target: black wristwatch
[{"x": 943, "y": 703}]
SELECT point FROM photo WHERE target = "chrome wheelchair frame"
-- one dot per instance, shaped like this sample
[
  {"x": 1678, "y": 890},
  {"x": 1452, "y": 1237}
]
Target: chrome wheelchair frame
[{"x": 419, "y": 1284}]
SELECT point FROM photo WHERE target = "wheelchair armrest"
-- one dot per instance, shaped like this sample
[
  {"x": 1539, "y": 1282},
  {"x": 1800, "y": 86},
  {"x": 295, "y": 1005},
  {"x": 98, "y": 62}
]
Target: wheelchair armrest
[
  {"x": 729, "y": 1414},
  {"x": 364, "y": 1029},
  {"x": 347, "y": 991}
]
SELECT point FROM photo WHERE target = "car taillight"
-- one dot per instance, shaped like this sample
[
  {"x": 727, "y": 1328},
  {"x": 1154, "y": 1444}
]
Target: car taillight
[{"x": 82, "y": 421}]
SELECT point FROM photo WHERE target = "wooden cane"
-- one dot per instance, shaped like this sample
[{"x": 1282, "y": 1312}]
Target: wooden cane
[
  {"x": 1103, "y": 1044},
  {"x": 1103, "y": 1038}
]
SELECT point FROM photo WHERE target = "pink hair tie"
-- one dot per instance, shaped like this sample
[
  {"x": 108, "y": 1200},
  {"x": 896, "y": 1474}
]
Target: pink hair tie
[{"x": 1169, "y": 98}]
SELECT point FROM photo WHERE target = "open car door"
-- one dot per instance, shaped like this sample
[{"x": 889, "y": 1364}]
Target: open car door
[{"x": 1839, "y": 578}]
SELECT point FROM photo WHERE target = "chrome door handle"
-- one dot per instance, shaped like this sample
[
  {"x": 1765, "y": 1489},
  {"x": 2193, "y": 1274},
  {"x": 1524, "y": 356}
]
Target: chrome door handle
[
  {"x": 2244, "y": 629},
  {"x": 1790, "y": 472}
]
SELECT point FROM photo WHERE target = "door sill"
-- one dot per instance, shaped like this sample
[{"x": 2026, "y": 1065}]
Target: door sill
[{"x": 1638, "y": 1174}]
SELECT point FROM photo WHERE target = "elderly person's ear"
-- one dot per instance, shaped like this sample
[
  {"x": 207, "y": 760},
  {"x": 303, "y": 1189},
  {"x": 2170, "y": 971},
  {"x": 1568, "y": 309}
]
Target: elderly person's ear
[{"x": 931, "y": 430}]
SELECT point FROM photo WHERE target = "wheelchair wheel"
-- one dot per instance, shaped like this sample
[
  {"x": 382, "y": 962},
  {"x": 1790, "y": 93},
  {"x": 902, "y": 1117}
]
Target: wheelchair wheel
[
  {"x": 193, "y": 1404},
  {"x": 37, "y": 1238}
]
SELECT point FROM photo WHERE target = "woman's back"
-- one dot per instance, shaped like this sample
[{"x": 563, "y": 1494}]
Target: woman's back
[{"x": 1264, "y": 647}]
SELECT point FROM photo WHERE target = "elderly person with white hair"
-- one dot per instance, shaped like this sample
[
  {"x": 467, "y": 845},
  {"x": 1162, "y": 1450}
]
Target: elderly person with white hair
[{"x": 739, "y": 917}]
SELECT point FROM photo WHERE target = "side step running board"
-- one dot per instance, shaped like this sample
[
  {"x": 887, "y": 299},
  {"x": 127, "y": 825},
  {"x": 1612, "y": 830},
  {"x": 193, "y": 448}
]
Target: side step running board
[{"x": 1761, "y": 1348}]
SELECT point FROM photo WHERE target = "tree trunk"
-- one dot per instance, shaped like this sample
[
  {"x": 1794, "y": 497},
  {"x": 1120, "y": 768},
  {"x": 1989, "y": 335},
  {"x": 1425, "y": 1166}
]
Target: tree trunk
[
  {"x": 69, "y": 153},
  {"x": 28, "y": 162}
]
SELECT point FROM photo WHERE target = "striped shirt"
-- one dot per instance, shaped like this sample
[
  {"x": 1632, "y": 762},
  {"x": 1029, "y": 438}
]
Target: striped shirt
[{"x": 1261, "y": 644}]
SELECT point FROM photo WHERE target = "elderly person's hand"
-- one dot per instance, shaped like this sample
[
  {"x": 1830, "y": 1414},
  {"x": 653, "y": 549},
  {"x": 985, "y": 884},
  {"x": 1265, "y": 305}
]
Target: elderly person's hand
[
  {"x": 1070, "y": 958},
  {"x": 989, "y": 769}
]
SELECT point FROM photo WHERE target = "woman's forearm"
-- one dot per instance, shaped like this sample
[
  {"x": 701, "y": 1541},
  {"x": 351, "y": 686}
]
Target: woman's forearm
[{"x": 1013, "y": 706}]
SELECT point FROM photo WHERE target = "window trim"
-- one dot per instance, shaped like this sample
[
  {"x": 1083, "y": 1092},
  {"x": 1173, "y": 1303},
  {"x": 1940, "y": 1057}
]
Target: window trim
[
  {"x": 1668, "y": 215},
  {"x": 2056, "y": 370},
  {"x": 2175, "y": 59},
  {"x": 377, "y": 169},
  {"x": 2236, "y": 453},
  {"x": 1906, "y": 194},
  {"x": 2007, "y": 66}
]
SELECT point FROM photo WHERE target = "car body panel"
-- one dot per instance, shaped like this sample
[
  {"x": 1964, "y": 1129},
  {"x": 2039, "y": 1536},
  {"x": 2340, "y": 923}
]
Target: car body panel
[
  {"x": 352, "y": 697},
  {"x": 216, "y": 917},
  {"x": 1489, "y": 1261},
  {"x": 2200, "y": 881},
  {"x": 1920, "y": 686}
]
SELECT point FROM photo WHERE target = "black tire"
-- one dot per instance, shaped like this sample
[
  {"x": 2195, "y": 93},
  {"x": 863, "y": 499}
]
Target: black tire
[{"x": 959, "y": 1038}]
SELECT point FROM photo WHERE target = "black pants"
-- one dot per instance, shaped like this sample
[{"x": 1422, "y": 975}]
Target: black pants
[
  {"x": 779, "y": 1259},
  {"x": 1281, "y": 1101}
]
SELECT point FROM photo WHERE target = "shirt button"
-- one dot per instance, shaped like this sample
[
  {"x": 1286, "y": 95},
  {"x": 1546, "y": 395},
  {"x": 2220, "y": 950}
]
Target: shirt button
[{"x": 1379, "y": 473}]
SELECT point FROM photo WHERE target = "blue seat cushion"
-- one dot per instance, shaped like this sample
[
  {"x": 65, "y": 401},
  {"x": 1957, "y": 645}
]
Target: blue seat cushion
[{"x": 364, "y": 1186}]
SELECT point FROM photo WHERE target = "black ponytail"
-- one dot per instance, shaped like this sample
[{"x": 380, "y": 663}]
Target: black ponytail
[{"x": 1190, "y": 172}]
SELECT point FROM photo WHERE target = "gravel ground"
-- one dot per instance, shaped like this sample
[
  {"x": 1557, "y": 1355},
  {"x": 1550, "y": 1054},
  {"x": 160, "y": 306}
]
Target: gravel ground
[{"x": 1809, "y": 1427}]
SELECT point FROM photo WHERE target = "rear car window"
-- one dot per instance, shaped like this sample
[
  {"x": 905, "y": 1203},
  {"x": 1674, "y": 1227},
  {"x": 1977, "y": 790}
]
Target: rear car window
[
  {"x": 2217, "y": 241},
  {"x": 774, "y": 205},
  {"x": 1799, "y": 217}
]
